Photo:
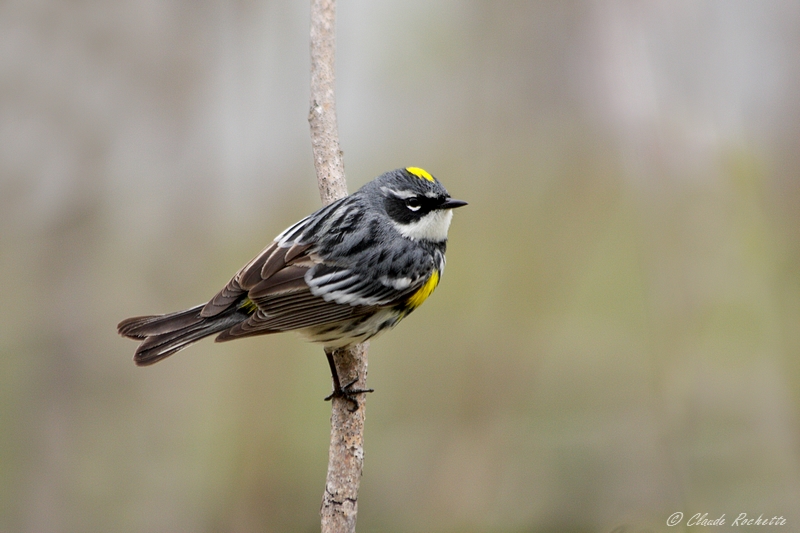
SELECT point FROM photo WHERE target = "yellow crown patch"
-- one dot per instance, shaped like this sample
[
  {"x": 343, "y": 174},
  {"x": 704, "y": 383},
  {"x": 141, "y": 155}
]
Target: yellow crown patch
[{"x": 420, "y": 173}]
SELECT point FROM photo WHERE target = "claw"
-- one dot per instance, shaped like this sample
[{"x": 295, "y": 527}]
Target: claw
[{"x": 348, "y": 393}]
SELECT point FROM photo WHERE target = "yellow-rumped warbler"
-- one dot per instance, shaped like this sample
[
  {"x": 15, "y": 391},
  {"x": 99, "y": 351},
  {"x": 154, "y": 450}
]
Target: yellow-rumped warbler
[{"x": 340, "y": 276}]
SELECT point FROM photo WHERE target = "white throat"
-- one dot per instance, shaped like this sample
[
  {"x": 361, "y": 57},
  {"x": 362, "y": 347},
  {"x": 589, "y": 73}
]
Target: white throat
[{"x": 432, "y": 227}]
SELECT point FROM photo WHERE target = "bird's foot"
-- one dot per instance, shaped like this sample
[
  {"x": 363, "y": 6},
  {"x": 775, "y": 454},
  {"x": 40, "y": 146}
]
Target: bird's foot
[{"x": 348, "y": 393}]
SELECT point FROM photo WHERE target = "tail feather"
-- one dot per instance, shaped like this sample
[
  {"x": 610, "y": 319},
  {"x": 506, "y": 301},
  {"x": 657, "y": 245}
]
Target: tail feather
[
  {"x": 141, "y": 327},
  {"x": 164, "y": 335}
]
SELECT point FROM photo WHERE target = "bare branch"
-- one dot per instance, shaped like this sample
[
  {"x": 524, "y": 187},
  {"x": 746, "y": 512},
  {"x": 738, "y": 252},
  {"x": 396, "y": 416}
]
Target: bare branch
[
  {"x": 322, "y": 115},
  {"x": 346, "y": 453}
]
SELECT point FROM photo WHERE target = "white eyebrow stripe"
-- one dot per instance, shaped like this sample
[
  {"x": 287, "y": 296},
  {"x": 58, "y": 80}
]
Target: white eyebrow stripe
[{"x": 399, "y": 194}]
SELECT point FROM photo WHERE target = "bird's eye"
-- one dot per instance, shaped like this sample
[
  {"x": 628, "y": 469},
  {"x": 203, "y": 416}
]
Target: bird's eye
[{"x": 413, "y": 204}]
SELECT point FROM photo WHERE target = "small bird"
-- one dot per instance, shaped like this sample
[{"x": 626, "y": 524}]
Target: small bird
[{"x": 340, "y": 276}]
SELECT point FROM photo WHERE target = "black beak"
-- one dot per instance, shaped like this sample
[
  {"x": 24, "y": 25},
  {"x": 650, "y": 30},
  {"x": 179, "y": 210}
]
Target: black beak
[{"x": 450, "y": 203}]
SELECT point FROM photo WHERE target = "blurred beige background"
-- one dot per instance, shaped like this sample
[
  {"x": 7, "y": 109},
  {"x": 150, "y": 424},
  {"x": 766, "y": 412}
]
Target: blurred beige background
[{"x": 615, "y": 338}]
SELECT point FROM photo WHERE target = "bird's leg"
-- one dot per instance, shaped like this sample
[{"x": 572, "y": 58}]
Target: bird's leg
[{"x": 346, "y": 392}]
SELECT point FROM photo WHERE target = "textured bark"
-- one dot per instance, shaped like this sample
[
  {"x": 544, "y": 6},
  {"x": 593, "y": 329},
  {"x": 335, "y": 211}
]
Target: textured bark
[
  {"x": 346, "y": 453},
  {"x": 322, "y": 115}
]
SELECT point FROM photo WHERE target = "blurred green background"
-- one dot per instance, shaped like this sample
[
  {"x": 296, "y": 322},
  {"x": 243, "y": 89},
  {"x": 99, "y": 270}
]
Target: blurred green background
[{"x": 615, "y": 338}]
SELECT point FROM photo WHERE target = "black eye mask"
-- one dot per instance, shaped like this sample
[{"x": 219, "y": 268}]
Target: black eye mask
[{"x": 407, "y": 210}]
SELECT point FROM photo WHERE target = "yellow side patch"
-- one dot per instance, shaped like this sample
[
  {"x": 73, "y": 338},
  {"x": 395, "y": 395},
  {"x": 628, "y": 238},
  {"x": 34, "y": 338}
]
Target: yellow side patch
[
  {"x": 423, "y": 292},
  {"x": 420, "y": 173},
  {"x": 248, "y": 305}
]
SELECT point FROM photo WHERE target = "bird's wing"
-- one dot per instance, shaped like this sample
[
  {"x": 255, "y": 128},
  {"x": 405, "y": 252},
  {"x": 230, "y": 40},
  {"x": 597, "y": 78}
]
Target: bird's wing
[
  {"x": 271, "y": 261},
  {"x": 295, "y": 283}
]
